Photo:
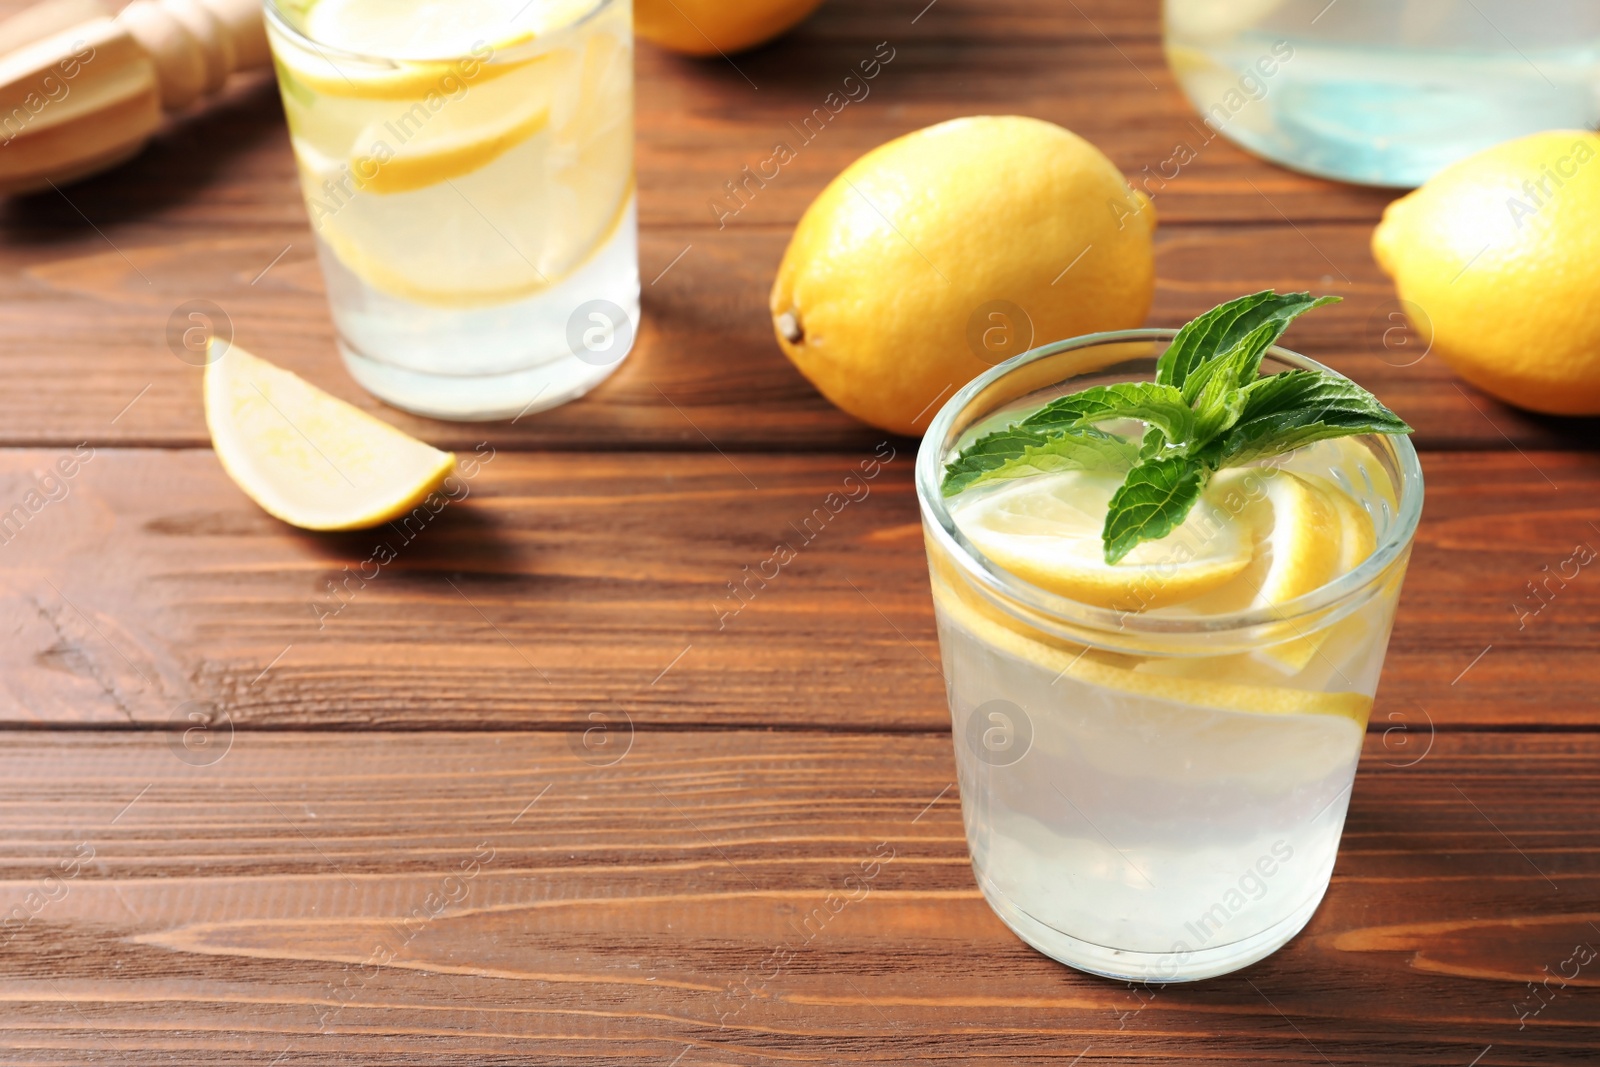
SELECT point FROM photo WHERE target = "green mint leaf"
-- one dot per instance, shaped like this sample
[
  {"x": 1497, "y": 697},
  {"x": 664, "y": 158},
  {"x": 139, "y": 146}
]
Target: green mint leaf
[
  {"x": 1157, "y": 405},
  {"x": 1017, "y": 452},
  {"x": 984, "y": 455},
  {"x": 1152, "y": 503},
  {"x": 1223, "y": 327},
  {"x": 1215, "y": 388},
  {"x": 1283, "y": 412},
  {"x": 1217, "y": 409},
  {"x": 1082, "y": 449},
  {"x": 1233, "y": 369},
  {"x": 1153, "y": 444}
]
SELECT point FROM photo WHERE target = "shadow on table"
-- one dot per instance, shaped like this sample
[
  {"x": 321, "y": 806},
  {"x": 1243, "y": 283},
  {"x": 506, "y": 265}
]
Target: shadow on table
[{"x": 458, "y": 540}]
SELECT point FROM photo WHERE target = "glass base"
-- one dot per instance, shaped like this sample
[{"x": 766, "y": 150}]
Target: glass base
[
  {"x": 1149, "y": 967},
  {"x": 498, "y": 362},
  {"x": 481, "y": 398}
]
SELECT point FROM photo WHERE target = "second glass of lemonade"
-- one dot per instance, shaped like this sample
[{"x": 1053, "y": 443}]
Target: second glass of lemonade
[
  {"x": 467, "y": 167},
  {"x": 1154, "y": 783}
]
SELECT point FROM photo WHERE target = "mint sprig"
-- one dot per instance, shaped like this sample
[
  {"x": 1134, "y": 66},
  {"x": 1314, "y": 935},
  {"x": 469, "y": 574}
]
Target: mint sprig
[{"x": 1208, "y": 408}]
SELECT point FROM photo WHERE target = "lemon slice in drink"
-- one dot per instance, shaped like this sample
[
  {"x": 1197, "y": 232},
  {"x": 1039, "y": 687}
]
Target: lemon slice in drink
[
  {"x": 309, "y": 458},
  {"x": 1047, "y": 530},
  {"x": 1201, "y": 684},
  {"x": 1310, "y": 533},
  {"x": 438, "y": 153}
]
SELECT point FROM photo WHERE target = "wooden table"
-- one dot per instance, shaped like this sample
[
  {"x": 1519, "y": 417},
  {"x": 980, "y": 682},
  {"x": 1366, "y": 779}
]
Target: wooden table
[{"x": 527, "y": 799}]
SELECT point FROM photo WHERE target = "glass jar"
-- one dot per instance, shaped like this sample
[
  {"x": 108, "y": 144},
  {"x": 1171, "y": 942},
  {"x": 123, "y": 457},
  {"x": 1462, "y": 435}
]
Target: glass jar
[{"x": 1384, "y": 92}]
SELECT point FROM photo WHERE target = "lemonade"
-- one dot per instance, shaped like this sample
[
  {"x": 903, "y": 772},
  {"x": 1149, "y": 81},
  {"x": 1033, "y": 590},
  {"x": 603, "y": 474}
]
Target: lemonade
[
  {"x": 1155, "y": 756},
  {"x": 468, "y": 171}
]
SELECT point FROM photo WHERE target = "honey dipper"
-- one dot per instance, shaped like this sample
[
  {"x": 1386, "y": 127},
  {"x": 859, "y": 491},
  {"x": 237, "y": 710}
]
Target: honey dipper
[{"x": 82, "y": 90}]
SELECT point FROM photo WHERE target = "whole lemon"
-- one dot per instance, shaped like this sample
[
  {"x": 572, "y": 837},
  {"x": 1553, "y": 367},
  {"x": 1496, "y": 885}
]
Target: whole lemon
[
  {"x": 712, "y": 27},
  {"x": 1499, "y": 255},
  {"x": 942, "y": 253}
]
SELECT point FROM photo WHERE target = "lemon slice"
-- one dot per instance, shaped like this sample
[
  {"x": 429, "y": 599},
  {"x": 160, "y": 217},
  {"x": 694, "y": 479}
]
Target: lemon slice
[
  {"x": 410, "y": 80},
  {"x": 1197, "y": 686},
  {"x": 1303, "y": 551},
  {"x": 309, "y": 458},
  {"x": 1310, "y": 532},
  {"x": 432, "y": 157},
  {"x": 418, "y": 47},
  {"x": 1046, "y": 530},
  {"x": 1358, "y": 539}
]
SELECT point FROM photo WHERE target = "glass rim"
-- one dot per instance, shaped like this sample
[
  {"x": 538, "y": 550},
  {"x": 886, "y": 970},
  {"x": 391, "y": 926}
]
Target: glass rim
[
  {"x": 977, "y": 567},
  {"x": 277, "y": 20}
]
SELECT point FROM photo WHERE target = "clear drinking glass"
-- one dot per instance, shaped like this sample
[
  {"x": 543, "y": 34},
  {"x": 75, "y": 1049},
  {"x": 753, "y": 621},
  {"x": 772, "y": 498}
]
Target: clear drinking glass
[
  {"x": 471, "y": 191},
  {"x": 1384, "y": 92},
  {"x": 1150, "y": 795}
]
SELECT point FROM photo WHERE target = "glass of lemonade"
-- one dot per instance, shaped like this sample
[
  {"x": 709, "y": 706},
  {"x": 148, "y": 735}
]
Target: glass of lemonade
[
  {"x": 468, "y": 169},
  {"x": 1154, "y": 775}
]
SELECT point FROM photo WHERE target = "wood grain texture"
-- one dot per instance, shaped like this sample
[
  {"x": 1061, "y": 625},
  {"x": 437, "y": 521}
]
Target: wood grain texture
[
  {"x": 535, "y": 794},
  {"x": 91, "y": 276},
  {"x": 491, "y": 898},
  {"x": 565, "y": 585}
]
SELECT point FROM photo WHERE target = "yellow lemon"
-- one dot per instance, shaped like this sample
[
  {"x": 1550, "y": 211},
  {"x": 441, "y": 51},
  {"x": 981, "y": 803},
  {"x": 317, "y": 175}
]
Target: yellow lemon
[
  {"x": 710, "y": 27},
  {"x": 942, "y": 253},
  {"x": 1499, "y": 255},
  {"x": 309, "y": 458}
]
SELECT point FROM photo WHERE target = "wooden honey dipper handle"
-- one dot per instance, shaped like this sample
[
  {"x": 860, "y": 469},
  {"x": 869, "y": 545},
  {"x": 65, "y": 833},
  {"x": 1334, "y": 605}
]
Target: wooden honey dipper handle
[{"x": 81, "y": 90}]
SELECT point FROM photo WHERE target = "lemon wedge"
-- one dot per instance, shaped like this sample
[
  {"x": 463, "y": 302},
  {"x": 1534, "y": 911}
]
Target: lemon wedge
[
  {"x": 1046, "y": 530},
  {"x": 309, "y": 458}
]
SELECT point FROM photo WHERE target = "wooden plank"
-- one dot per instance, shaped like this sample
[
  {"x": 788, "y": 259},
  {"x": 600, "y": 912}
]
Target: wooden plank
[
  {"x": 83, "y": 341},
  {"x": 315, "y": 898},
  {"x": 565, "y": 586}
]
